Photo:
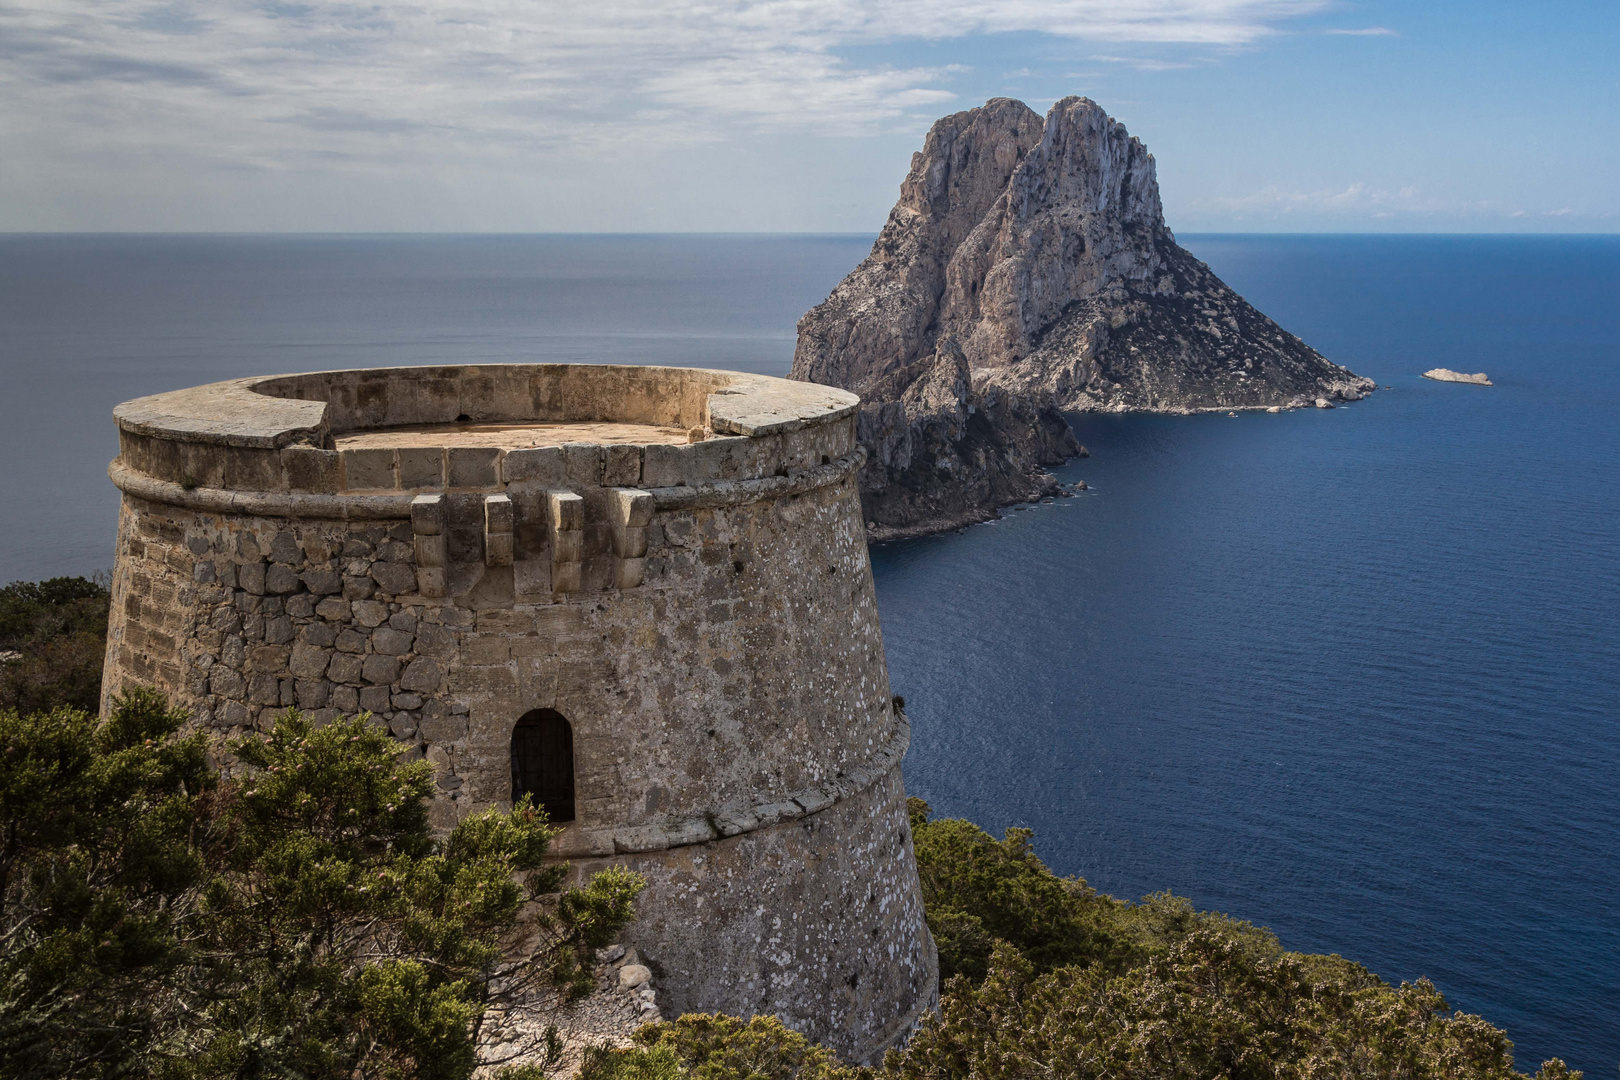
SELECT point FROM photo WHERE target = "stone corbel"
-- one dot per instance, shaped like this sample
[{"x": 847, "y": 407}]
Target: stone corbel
[
  {"x": 630, "y": 511},
  {"x": 428, "y": 526},
  {"x": 566, "y": 526},
  {"x": 497, "y": 530}
]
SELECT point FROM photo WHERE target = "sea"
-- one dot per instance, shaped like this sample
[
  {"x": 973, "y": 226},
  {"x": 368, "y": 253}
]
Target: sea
[{"x": 1351, "y": 674}]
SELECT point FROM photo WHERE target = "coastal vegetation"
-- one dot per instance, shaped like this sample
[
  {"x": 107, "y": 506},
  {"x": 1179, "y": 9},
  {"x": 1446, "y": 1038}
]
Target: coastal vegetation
[
  {"x": 296, "y": 917},
  {"x": 1043, "y": 976},
  {"x": 53, "y": 638}
]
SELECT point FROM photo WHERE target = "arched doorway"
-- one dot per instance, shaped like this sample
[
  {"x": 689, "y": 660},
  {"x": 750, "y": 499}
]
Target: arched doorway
[{"x": 543, "y": 762}]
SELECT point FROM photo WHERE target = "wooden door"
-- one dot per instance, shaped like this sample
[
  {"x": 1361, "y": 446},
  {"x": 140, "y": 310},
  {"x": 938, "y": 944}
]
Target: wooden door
[{"x": 543, "y": 762}]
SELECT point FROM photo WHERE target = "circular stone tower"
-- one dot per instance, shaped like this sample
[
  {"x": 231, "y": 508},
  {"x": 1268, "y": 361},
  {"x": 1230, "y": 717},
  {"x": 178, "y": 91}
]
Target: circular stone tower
[{"x": 641, "y": 594}]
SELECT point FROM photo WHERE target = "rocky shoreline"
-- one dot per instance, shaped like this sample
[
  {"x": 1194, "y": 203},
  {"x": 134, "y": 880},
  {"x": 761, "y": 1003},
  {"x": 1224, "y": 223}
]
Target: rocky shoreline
[{"x": 1025, "y": 272}]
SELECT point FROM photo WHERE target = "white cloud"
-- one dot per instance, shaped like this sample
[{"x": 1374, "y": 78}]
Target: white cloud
[
  {"x": 1143, "y": 63},
  {"x": 275, "y": 84}
]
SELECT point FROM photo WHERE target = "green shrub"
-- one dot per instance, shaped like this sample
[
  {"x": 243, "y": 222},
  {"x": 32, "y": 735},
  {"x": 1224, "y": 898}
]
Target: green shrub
[
  {"x": 57, "y": 631},
  {"x": 298, "y": 919},
  {"x": 716, "y": 1048},
  {"x": 977, "y": 890},
  {"x": 1046, "y": 978}
]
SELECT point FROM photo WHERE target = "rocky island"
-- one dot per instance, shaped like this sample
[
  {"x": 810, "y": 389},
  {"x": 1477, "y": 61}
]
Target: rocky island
[
  {"x": 1440, "y": 374},
  {"x": 1027, "y": 270}
]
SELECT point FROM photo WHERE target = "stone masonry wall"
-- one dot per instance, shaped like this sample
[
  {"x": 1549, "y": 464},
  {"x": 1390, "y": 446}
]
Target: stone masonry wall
[{"x": 703, "y": 615}]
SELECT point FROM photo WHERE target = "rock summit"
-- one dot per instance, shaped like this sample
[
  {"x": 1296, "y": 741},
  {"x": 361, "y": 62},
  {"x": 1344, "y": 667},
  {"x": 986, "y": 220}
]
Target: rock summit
[{"x": 1027, "y": 270}]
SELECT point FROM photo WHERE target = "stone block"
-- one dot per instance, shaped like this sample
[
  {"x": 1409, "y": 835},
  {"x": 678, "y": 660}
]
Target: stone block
[
  {"x": 281, "y": 579},
  {"x": 442, "y": 729},
  {"x": 472, "y": 466},
  {"x": 629, "y": 543},
  {"x": 631, "y": 507},
  {"x": 694, "y": 831},
  {"x": 427, "y": 515},
  {"x": 391, "y": 642},
  {"x": 268, "y": 658},
  {"x": 421, "y": 468},
  {"x": 285, "y": 548},
  {"x": 497, "y": 530},
  {"x": 264, "y": 690},
  {"x": 584, "y": 462},
  {"x": 814, "y": 801},
  {"x": 771, "y": 813},
  {"x": 541, "y": 464},
  {"x": 430, "y": 581},
  {"x": 316, "y": 548},
  {"x": 312, "y": 693},
  {"x": 344, "y": 668},
  {"x": 374, "y": 699},
  {"x": 358, "y": 588},
  {"x": 225, "y": 683},
  {"x": 393, "y": 550},
  {"x": 345, "y": 699},
  {"x": 629, "y": 573},
  {"x": 422, "y": 675},
  {"x": 308, "y": 661},
  {"x": 639, "y": 839},
  {"x": 278, "y": 630},
  {"x": 322, "y": 582},
  {"x": 566, "y": 510},
  {"x": 432, "y": 552},
  {"x": 250, "y": 576},
  {"x": 334, "y": 609},
  {"x": 621, "y": 465},
  {"x": 567, "y": 547},
  {"x": 350, "y": 640},
  {"x": 480, "y": 651},
  {"x": 395, "y": 578},
  {"x": 380, "y": 669},
  {"x": 663, "y": 465},
  {"x": 311, "y": 469},
  {"x": 301, "y": 606},
  {"x": 323, "y": 634},
  {"x": 368, "y": 470}
]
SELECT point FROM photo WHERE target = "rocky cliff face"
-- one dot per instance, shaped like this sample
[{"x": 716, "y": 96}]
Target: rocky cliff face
[{"x": 1025, "y": 270}]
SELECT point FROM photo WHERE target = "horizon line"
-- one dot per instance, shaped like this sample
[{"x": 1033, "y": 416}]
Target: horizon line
[{"x": 830, "y": 233}]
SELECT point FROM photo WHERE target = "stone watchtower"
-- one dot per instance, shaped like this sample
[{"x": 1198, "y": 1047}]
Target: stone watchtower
[{"x": 641, "y": 594}]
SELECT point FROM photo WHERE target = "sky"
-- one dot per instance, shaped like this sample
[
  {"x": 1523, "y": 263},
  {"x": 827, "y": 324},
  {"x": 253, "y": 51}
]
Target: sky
[{"x": 789, "y": 115}]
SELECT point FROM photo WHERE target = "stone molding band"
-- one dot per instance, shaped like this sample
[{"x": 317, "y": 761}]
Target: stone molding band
[
  {"x": 397, "y": 506},
  {"x": 716, "y": 493},
  {"x": 276, "y": 504},
  {"x": 737, "y": 819}
]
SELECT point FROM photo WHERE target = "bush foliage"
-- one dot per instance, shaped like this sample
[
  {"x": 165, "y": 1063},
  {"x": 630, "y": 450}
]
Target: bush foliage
[
  {"x": 53, "y": 638},
  {"x": 297, "y": 919},
  {"x": 1047, "y": 978}
]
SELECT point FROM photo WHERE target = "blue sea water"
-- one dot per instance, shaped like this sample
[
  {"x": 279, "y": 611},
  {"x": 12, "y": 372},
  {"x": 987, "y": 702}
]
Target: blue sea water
[{"x": 1351, "y": 674}]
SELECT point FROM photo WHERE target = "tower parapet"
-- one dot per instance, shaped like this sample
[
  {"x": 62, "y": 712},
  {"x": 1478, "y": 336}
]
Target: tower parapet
[{"x": 640, "y": 594}]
